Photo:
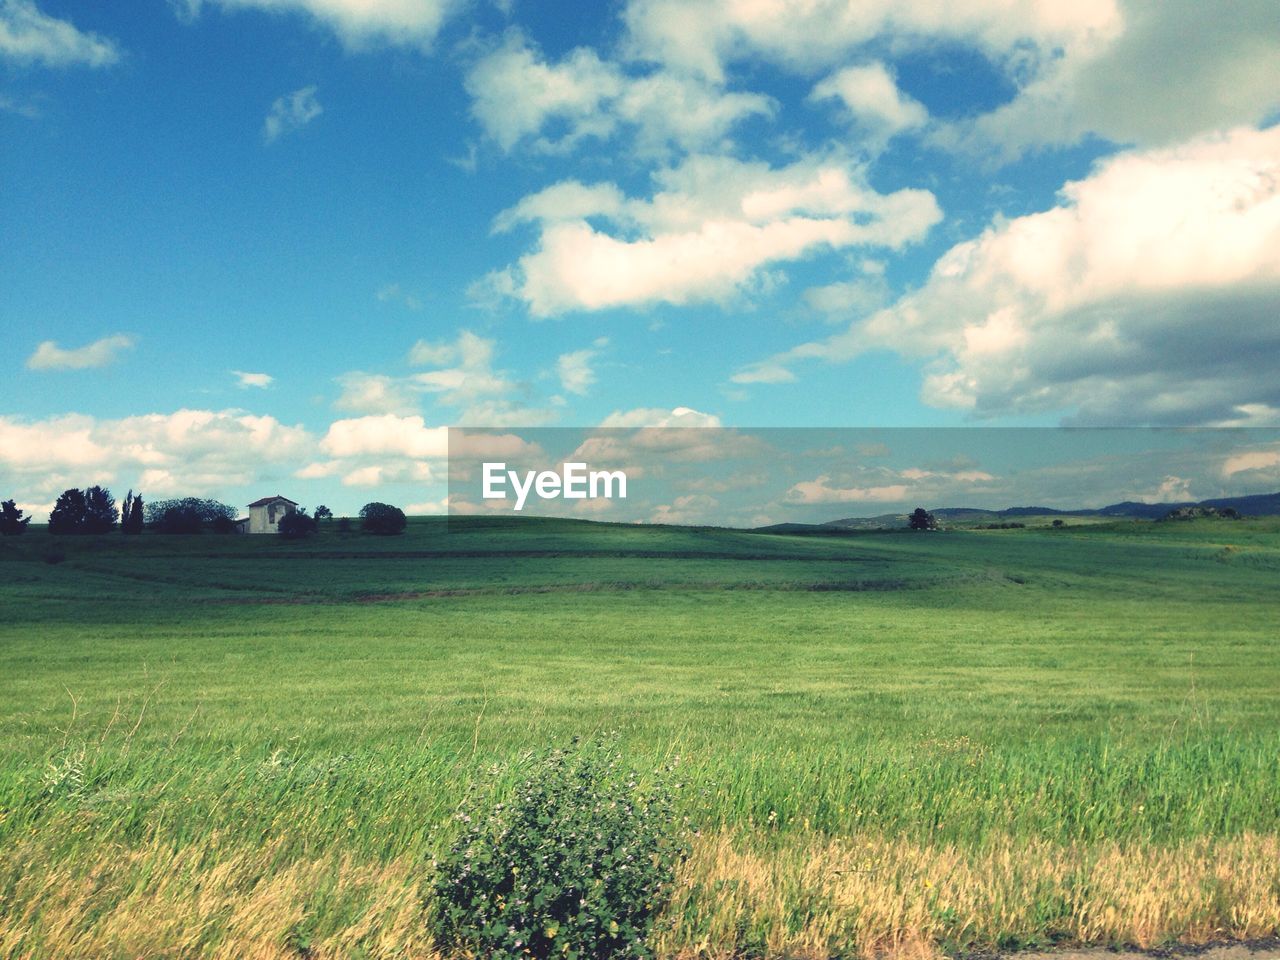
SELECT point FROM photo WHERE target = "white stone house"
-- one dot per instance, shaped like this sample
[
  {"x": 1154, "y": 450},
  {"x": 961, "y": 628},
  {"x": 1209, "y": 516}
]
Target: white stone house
[{"x": 265, "y": 514}]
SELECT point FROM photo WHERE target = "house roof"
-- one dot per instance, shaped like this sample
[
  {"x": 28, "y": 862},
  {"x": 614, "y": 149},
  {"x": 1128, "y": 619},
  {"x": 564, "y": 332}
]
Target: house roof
[{"x": 265, "y": 500}]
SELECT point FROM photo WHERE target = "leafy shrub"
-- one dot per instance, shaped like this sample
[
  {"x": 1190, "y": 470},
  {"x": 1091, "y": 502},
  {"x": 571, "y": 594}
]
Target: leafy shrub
[
  {"x": 177, "y": 520},
  {"x": 577, "y": 865},
  {"x": 382, "y": 518},
  {"x": 296, "y": 525}
]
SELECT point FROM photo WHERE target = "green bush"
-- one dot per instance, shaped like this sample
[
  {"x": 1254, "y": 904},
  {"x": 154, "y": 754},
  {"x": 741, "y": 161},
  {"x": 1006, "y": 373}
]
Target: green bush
[
  {"x": 576, "y": 865},
  {"x": 382, "y": 518},
  {"x": 296, "y": 525}
]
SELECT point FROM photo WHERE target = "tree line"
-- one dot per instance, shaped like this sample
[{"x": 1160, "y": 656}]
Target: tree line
[{"x": 93, "y": 511}]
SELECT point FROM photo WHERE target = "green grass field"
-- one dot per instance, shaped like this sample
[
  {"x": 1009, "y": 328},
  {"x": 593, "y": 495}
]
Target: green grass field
[{"x": 891, "y": 742}]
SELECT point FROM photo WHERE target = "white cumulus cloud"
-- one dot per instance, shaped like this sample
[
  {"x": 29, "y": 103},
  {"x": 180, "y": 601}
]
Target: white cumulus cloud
[
  {"x": 385, "y": 435},
  {"x": 711, "y": 227},
  {"x": 872, "y": 97},
  {"x": 1147, "y": 295},
  {"x": 184, "y": 452}
]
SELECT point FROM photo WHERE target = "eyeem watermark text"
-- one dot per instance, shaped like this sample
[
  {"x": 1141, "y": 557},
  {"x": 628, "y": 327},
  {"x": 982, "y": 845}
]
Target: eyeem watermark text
[{"x": 574, "y": 482}]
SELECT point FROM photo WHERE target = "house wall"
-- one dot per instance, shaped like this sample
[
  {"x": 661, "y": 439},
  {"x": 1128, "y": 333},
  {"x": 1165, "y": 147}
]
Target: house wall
[
  {"x": 258, "y": 521},
  {"x": 266, "y": 518}
]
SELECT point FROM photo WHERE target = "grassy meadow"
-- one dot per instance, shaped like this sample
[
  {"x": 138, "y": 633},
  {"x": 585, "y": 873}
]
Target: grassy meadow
[{"x": 889, "y": 743}]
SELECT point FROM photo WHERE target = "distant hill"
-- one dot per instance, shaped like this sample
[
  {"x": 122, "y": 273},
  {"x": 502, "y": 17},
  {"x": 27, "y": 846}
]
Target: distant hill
[{"x": 1258, "y": 505}]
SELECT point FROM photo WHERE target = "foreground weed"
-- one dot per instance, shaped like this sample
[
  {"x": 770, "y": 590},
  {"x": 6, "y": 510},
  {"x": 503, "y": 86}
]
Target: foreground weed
[{"x": 577, "y": 864}]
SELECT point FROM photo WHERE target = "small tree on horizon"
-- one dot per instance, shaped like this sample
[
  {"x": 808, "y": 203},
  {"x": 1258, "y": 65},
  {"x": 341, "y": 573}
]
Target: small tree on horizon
[
  {"x": 12, "y": 522},
  {"x": 323, "y": 513},
  {"x": 382, "y": 518},
  {"x": 922, "y": 519}
]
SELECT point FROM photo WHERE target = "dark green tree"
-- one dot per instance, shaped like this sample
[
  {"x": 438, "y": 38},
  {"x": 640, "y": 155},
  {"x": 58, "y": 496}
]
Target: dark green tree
[
  {"x": 131, "y": 514},
  {"x": 188, "y": 515},
  {"x": 323, "y": 513},
  {"x": 922, "y": 519},
  {"x": 12, "y": 522},
  {"x": 67, "y": 515},
  {"x": 100, "y": 514},
  {"x": 382, "y": 518}
]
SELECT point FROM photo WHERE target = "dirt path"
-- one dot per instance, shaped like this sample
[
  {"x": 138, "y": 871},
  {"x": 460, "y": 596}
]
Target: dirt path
[{"x": 1268, "y": 949}]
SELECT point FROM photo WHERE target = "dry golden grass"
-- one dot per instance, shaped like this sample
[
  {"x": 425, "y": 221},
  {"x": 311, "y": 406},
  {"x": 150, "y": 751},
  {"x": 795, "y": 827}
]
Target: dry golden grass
[
  {"x": 812, "y": 897},
  {"x": 802, "y": 896},
  {"x": 157, "y": 902}
]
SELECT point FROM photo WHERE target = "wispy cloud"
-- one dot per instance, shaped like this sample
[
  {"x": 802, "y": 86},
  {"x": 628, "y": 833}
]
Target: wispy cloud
[
  {"x": 29, "y": 36},
  {"x": 245, "y": 380},
  {"x": 50, "y": 356},
  {"x": 291, "y": 112},
  {"x": 394, "y": 293},
  {"x": 574, "y": 369},
  {"x": 358, "y": 23}
]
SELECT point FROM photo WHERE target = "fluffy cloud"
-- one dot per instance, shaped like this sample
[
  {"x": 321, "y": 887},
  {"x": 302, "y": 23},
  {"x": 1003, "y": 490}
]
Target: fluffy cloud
[
  {"x": 291, "y": 112},
  {"x": 872, "y": 97},
  {"x": 374, "y": 451},
  {"x": 465, "y": 368},
  {"x": 1120, "y": 69},
  {"x": 50, "y": 356},
  {"x": 1144, "y": 83},
  {"x": 29, "y": 36},
  {"x": 1148, "y": 295},
  {"x": 517, "y": 94},
  {"x": 710, "y": 228},
  {"x": 186, "y": 452},
  {"x": 358, "y": 23},
  {"x": 386, "y": 435},
  {"x": 374, "y": 393},
  {"x": 705, "y": 36},
  {"x": 1251, "y": 461}
]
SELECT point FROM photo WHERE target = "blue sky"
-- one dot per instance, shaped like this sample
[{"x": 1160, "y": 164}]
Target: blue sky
[{"x": 276, "y": 245}]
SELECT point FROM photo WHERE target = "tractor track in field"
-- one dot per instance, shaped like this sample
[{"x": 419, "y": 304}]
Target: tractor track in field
[{"x": 859, "y": 586}]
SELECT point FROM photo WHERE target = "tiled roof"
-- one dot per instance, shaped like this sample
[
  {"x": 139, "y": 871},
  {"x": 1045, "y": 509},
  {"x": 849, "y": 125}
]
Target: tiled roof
[{"x": 265, "y": 500}]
